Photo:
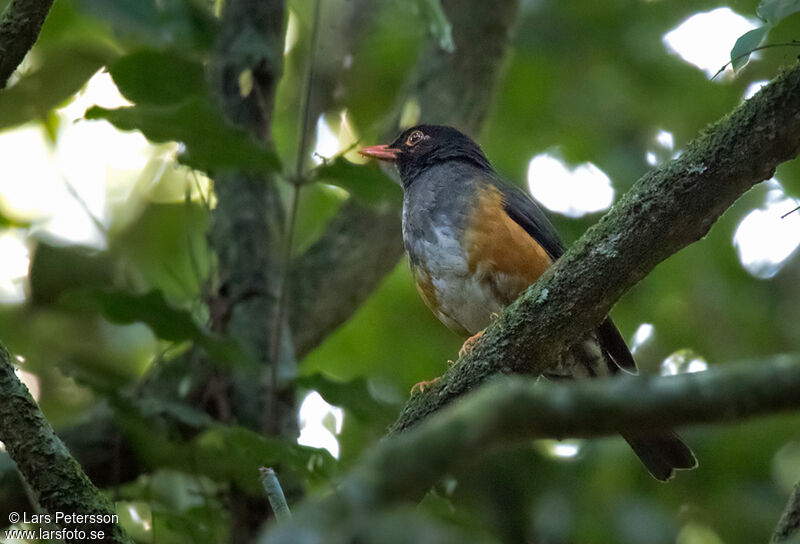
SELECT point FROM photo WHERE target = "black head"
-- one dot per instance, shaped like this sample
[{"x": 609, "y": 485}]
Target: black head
[{"x": 423, "y": 146}]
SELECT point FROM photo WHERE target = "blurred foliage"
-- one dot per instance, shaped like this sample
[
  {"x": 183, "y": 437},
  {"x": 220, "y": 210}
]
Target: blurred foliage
[
  {"x": 592, "y": 81},
  {"x": 367, "y": 184}
]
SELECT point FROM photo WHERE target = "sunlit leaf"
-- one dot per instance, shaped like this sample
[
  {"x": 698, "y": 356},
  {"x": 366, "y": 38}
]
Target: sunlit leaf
[
  {"x": 7, "y": 221},
  {"x": 745, "y": 45},
  {"x": 157, "y": 77},
  {"x": 60, "y": 75},
  {"x": 353, "y": 395},
  {"x": 318, "y": 204},
  {"x": 366, "y": 183},
  {"x": 210, "y": 143},
  {"x": 773, "y": 11}
]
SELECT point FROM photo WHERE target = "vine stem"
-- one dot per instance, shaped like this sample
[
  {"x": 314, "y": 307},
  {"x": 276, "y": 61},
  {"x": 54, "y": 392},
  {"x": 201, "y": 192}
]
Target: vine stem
[{"x": 297, "y": 180}]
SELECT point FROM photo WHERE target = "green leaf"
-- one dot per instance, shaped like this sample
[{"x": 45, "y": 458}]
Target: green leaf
[
  {"x": 9, "y": 222},
  {"x": 165, "y": 321},
  {"x": 157, "y": 77},
  {"x": 745, "y": 45},
  {"x": 366, "y": 183},
  {"x": 61, "y": 74},
  {"x": 166, "y": 246},
  {"x": 210, "y": 143},
  {"x": 56, "y": 269},
  {"x": 222, "y": 453},
  {"x": 236, "y": 453},
  {"x": 186, "y": 24},
  {"x": 438, "y": 24},
  {"x": 773, "y": 11},
  {"x": 353, "y": 395}
]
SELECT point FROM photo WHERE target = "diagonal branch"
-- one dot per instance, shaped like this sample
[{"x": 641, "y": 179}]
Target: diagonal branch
[
  {"x": 19, "y": 27},
  {"x": 666, "y": 210},
  {"x": 404, "y": 467},
  {"x": 344, "y": 266},
  {"x": 788, "y": 526},
  {"x": 54, "y": 475}
]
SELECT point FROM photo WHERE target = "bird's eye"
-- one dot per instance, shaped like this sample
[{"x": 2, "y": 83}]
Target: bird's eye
[{"x": 414, "y": 138}]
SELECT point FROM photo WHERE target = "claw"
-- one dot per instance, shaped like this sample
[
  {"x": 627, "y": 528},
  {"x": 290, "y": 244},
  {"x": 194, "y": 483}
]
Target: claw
[
  {"x": 421, "y": 386},
  {"x": 468, "y": 343}
]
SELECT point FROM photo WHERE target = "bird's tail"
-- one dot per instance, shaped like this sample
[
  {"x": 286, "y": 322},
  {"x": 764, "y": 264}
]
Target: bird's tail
[{"x": 662, "y": 453}]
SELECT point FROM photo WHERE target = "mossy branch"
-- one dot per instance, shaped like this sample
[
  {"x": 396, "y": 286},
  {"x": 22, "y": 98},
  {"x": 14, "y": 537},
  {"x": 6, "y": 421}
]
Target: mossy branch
[
  {"x": 19, "y": 27},
  {"x": 666, "y": 210},
  {"x": 55, "y": 477},
  {"x": 404, "y": 467},
  {"x": 788, "y": 526}
]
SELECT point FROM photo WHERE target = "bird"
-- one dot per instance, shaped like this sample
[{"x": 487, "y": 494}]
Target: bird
[{"x": 475, "y": 242}]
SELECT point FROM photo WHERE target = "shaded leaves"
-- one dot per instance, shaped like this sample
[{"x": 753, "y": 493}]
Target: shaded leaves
[
  {"x": 165, "y": 321},
  {"x": 364, "y": 182}
]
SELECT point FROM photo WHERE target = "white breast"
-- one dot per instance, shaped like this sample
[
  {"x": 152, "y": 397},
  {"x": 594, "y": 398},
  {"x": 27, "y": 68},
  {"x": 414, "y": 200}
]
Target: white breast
[{"x": 464, "y": 297}]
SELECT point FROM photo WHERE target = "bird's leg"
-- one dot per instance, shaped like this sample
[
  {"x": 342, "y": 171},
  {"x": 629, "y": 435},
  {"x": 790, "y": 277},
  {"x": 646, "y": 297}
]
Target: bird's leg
[{"x": 468, "y": 343}]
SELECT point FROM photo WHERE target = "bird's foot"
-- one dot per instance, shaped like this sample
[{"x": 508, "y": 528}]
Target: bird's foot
[
  {"x": 422, "y": 386},
  {"x": 468, "y": 343}
]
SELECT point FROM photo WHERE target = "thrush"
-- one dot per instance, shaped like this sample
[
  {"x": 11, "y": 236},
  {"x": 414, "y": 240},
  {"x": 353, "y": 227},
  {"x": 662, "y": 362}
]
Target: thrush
[{"x": 475, "y": 242}]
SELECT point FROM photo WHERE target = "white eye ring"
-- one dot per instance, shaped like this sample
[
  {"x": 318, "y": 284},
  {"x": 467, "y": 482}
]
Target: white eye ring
[{"x": 414, "y": 138}]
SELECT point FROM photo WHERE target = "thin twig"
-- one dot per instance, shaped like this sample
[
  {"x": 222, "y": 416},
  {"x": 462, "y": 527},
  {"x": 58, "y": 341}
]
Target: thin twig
[
  {"x": 275, "y": 496},
  {"x": 759, "y": 48},
  {"x": 96, "y": 221},
  {"x": 304, "y": 108},
  {"x": 297, "y": 182},
  {"x": 787, "y": 214}
]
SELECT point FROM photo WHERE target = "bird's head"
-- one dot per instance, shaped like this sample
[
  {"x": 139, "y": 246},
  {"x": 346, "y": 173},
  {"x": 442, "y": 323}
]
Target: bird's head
[{"x": 423, "y": 146}]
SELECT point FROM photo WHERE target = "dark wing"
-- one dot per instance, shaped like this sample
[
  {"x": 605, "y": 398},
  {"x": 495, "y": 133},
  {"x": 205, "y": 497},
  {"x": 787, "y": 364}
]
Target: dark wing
[{"x": 522, "y": 209}]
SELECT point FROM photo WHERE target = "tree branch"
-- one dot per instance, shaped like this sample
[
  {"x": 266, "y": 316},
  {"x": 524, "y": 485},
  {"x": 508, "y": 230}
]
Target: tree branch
[
  {"x": 54, "y": 475},
  {"x": 334, "y": 277},
  {"x": 247, "y": 223},
  {"x": 789, "y": 524},
  {"x": 666, "y": 210},
  {"x": 19, "y": 27},
  {"x": 246, "y": 234},
  {"x": 406, "y": 466}
]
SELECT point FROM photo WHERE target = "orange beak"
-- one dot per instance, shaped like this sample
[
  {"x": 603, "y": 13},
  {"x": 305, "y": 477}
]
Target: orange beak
[{"x": 380, "y": 152}]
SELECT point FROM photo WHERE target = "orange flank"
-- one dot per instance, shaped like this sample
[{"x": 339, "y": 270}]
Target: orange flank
[
  {"x": 425, "y": 288},
  {"x": 500, "y": 250}
]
